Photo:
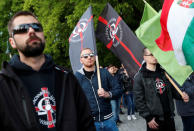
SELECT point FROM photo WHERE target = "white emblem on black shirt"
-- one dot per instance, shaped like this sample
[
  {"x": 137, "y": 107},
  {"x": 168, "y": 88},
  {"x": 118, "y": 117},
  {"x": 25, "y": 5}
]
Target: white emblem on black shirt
[
  {"x": 45, "y": 106},
  {"x": 160, "y": 86}
]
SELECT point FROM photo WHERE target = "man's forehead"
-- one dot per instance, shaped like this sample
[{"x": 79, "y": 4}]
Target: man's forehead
[
  {"x": 24, "y": 19},
  {"x": 86, "y": 51},
  {"x": 147, "y": 51}
]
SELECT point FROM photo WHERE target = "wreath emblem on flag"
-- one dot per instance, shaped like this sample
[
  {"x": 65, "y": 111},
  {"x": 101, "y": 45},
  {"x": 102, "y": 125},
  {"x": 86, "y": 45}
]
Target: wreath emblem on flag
[
  {"x": 112, "y": 30},
  {"x": 186, "y": 3},
  {"x": 79, "y": 29}
]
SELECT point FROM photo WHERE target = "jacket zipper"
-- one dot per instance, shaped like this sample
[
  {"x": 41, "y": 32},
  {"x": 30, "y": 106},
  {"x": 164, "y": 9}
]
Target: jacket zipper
[
  {"x": 25, "y": 110},
  {"x": 95, "y": 95}
]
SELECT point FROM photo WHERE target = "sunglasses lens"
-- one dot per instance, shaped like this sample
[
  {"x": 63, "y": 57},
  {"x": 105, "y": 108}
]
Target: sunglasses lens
[
  {"x": 91, "y": 55},
  {"x": 149, "y": 55},
  {"x": 20, "y": 29},
  {"x": 85, "y": 57},
  {"x": 37, "y": 27}
]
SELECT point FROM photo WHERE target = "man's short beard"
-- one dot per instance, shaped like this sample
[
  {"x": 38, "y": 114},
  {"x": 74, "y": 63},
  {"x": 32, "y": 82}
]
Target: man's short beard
[
  {"x": 90, "y": 66},
  {"x": 36, "y": 49},
  {"x": 30, "y": 51}
]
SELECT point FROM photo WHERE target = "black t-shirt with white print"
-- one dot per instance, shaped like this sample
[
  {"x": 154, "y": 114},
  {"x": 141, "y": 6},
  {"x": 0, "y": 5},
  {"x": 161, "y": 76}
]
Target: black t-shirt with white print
[{"x": 40, "y": 85}]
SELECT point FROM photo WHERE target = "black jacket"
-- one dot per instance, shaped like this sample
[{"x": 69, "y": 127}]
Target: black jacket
[
  {"x": 101, "y": 107},
  {"x": 147, "y": 101},
  {"x": 18, "y": 114},
  {"x": 127, "y": 82},
  {"x": 187, "y": 109}
]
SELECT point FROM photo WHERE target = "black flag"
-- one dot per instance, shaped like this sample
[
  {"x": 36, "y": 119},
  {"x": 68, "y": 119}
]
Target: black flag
[
  {"x": 119, "y": 38},
  {"x": 83, "y": 36}
]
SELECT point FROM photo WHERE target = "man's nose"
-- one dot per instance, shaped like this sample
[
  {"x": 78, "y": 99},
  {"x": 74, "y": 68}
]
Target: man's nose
[{"x": 30, "y": 30}]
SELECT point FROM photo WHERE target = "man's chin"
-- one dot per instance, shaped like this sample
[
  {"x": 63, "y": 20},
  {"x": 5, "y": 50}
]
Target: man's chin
[
  {"x": 90, "y": 66},
  {"x": 34, "y": 42},
  {"x": 33, "y": 52}
]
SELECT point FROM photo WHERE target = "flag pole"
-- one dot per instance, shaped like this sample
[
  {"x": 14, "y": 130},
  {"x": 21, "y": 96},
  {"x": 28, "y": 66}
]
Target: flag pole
[
  {"x": 98, "y": 73},
  {"x": 175, "y": 86}
]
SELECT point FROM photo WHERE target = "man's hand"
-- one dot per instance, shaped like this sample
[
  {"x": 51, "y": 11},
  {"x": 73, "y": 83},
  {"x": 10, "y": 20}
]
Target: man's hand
[
  {"x": 185, "y": 97},
  {"x": 152, "y": 124},
  {"x": 103, "y": 93},
  {"x": 125, "y": 71}
]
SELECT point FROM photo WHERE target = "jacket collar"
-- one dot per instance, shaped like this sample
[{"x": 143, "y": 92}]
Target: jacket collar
[
  {"x": 147, "y": 73},
  {"x": 81, "y": 71}
]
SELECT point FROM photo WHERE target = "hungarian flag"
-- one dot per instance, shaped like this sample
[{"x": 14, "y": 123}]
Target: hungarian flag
[
  {"x": 148, "y": 31},
  {"x": 177, "y": 22},
  {"x": 82, "y": 37},
  {"x": 119, "y": 38}
]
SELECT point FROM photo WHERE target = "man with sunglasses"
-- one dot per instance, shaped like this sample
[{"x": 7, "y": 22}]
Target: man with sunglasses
[
  {"x": 36, "y": 94},
  {"x": 154, "y": 95},
  {"x": 99, "y": 98}
]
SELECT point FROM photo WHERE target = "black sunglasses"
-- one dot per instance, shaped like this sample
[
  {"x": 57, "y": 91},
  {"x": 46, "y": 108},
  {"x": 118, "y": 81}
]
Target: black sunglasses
[
  {"x": 87, "y": 55},
  {"x": 23, "y": 28}
]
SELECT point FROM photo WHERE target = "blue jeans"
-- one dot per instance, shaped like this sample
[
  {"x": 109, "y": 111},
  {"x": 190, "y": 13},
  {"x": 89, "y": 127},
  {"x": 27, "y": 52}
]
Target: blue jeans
[
  {"x": 115, "y": 104},
  {"x": 188, "y": 123},
  {"x": 124, "y": 101},
  {"x": 130, "y": 103},
  {"x": 107, "y": 125}
]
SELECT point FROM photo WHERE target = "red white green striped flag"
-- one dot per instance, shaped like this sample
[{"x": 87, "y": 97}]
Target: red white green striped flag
[
  {"x": 177, "y": 22},
  {"x": 148, "y": 31}
]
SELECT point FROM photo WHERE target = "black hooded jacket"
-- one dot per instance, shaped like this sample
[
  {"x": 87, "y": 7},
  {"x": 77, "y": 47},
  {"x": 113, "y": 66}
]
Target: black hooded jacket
[
  {"x": 17, "y": 111},
  {"x": 148, "y": 102}
]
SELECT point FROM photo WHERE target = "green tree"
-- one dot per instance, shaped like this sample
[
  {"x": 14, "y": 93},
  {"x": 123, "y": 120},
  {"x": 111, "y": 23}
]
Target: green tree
[{"x": 59, "y": 17}]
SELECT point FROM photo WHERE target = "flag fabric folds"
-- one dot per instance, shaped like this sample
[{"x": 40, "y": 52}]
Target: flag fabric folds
[
  {"x": 119, "y": 38},
  {"x": 177, "y": 21},
  {"x": 148, "y": 13},
  {"x": 83, "y": 36},
  {"x": 148, "y": 32}
]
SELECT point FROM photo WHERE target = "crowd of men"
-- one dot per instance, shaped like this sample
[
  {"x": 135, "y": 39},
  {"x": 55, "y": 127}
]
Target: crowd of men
[{"x": 36, "y": 94}]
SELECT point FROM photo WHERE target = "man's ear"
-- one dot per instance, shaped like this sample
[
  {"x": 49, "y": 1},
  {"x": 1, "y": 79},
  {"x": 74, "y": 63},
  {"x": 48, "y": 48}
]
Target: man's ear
[{"x": 12, "y": 43}]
